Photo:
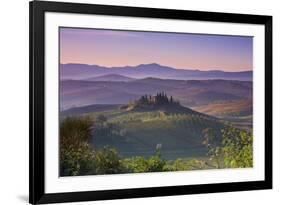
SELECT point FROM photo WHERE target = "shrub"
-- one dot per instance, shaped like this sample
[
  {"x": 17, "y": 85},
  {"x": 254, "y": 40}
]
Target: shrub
[
  {"x": 234, "y": 151},
  {"x": 177, "y": 165},
  {"x": 75, "y": 131},
  {"x": 76, "y": 155},
  {"x": 107, "y": 161},
  {"x": 237, "y": 148},
  {"x": 140, "y": 164},
  {"x": 77, "y": 161}
]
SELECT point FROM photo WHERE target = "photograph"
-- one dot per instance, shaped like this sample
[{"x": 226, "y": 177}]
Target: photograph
[
  {"x": 147, "y": 101},
  {"x": 132, "y": 102}
]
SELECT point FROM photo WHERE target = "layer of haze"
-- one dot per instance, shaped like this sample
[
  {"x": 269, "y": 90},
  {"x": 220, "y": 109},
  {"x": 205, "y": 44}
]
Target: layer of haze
[{"x": 184, "y": 51}]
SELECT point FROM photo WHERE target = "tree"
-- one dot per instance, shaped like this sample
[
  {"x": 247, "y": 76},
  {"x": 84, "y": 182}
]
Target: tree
[
  {"x": 76, "y": 155},
  {"x": 75, "y": 131},
  {"x": 214, "y": 150},
  {"x": 237, "y": 148},
  {"x": 171, "y": 99}
]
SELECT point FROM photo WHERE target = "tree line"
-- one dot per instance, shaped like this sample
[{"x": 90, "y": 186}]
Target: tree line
[{"x": 160, "y": 98}]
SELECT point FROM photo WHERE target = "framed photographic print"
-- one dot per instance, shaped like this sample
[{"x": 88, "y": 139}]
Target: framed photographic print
[{"x": 140, "y": 102}]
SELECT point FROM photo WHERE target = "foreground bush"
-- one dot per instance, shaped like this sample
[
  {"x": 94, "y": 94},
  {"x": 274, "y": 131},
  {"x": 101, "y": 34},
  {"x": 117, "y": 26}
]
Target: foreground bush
[
  {"x": 75, "y": 131},
  {"x": 235, "y": 150},
  {"x": 76, "y": 161},
  {"x": 107, "y": 161},
  {"x": 76, "y": 155},
  {"x": 140, "y": 164}
]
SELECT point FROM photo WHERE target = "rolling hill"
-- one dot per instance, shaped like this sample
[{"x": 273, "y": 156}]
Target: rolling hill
[
  {"x": 139, "y": 113},
  {"x": 77, "y": 93},
  {"x": 76, "y": 111},
  {"x": 233, "y": 108},
  {"x": 83, "y": 71},
  {"x": 180, "y": 135},
  {"x": 137, "y": 131}
]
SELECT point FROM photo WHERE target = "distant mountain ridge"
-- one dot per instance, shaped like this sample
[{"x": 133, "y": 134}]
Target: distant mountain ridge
[
  {"x": 154, "y": 70},
  {"x": 111, "y": 77}
]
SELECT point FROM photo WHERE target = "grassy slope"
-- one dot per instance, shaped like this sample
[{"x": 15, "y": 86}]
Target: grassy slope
[
  {"x": 88, "y": 109},
  {"x": 179, "y": 134},
  {"x": 238, "y": 113},
  {"x": 231, "y": 108}
]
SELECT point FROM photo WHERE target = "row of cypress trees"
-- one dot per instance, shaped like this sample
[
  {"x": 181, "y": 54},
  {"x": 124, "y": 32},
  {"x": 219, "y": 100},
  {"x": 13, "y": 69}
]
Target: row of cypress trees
[{"x": 160, "y": 98}]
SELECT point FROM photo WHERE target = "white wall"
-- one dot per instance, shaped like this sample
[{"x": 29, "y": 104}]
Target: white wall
[{"x": 14, "y": 100}]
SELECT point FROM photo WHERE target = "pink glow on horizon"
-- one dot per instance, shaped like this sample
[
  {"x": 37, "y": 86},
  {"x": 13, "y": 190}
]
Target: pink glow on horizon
[{"x": 182, "y": 51}]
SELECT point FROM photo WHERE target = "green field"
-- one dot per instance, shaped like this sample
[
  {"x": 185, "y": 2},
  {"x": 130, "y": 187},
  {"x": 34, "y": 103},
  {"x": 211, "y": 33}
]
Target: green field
[
  {"x": 138, "y": 133},
  {"x": 172, "y": 138}
]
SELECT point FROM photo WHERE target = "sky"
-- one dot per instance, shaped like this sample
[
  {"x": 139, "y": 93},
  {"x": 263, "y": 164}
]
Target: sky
[{"x": 113, "y": 48}]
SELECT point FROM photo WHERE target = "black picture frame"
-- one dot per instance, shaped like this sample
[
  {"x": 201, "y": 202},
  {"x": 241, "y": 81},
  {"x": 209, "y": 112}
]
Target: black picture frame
[{"x": 37, "y": 10}]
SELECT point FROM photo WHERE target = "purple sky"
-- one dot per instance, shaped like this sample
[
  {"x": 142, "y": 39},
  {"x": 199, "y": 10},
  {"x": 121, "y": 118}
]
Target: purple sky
[{"x": 185, "y": 51}]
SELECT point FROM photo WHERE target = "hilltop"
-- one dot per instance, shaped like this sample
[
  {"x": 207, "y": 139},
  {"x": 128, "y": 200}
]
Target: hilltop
[
  {"x": 161, "y": 103},
  {"x": 152, "y": 102}
]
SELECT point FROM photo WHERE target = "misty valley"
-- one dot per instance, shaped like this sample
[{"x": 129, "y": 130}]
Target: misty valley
[{"x": 123, "y": 122}]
